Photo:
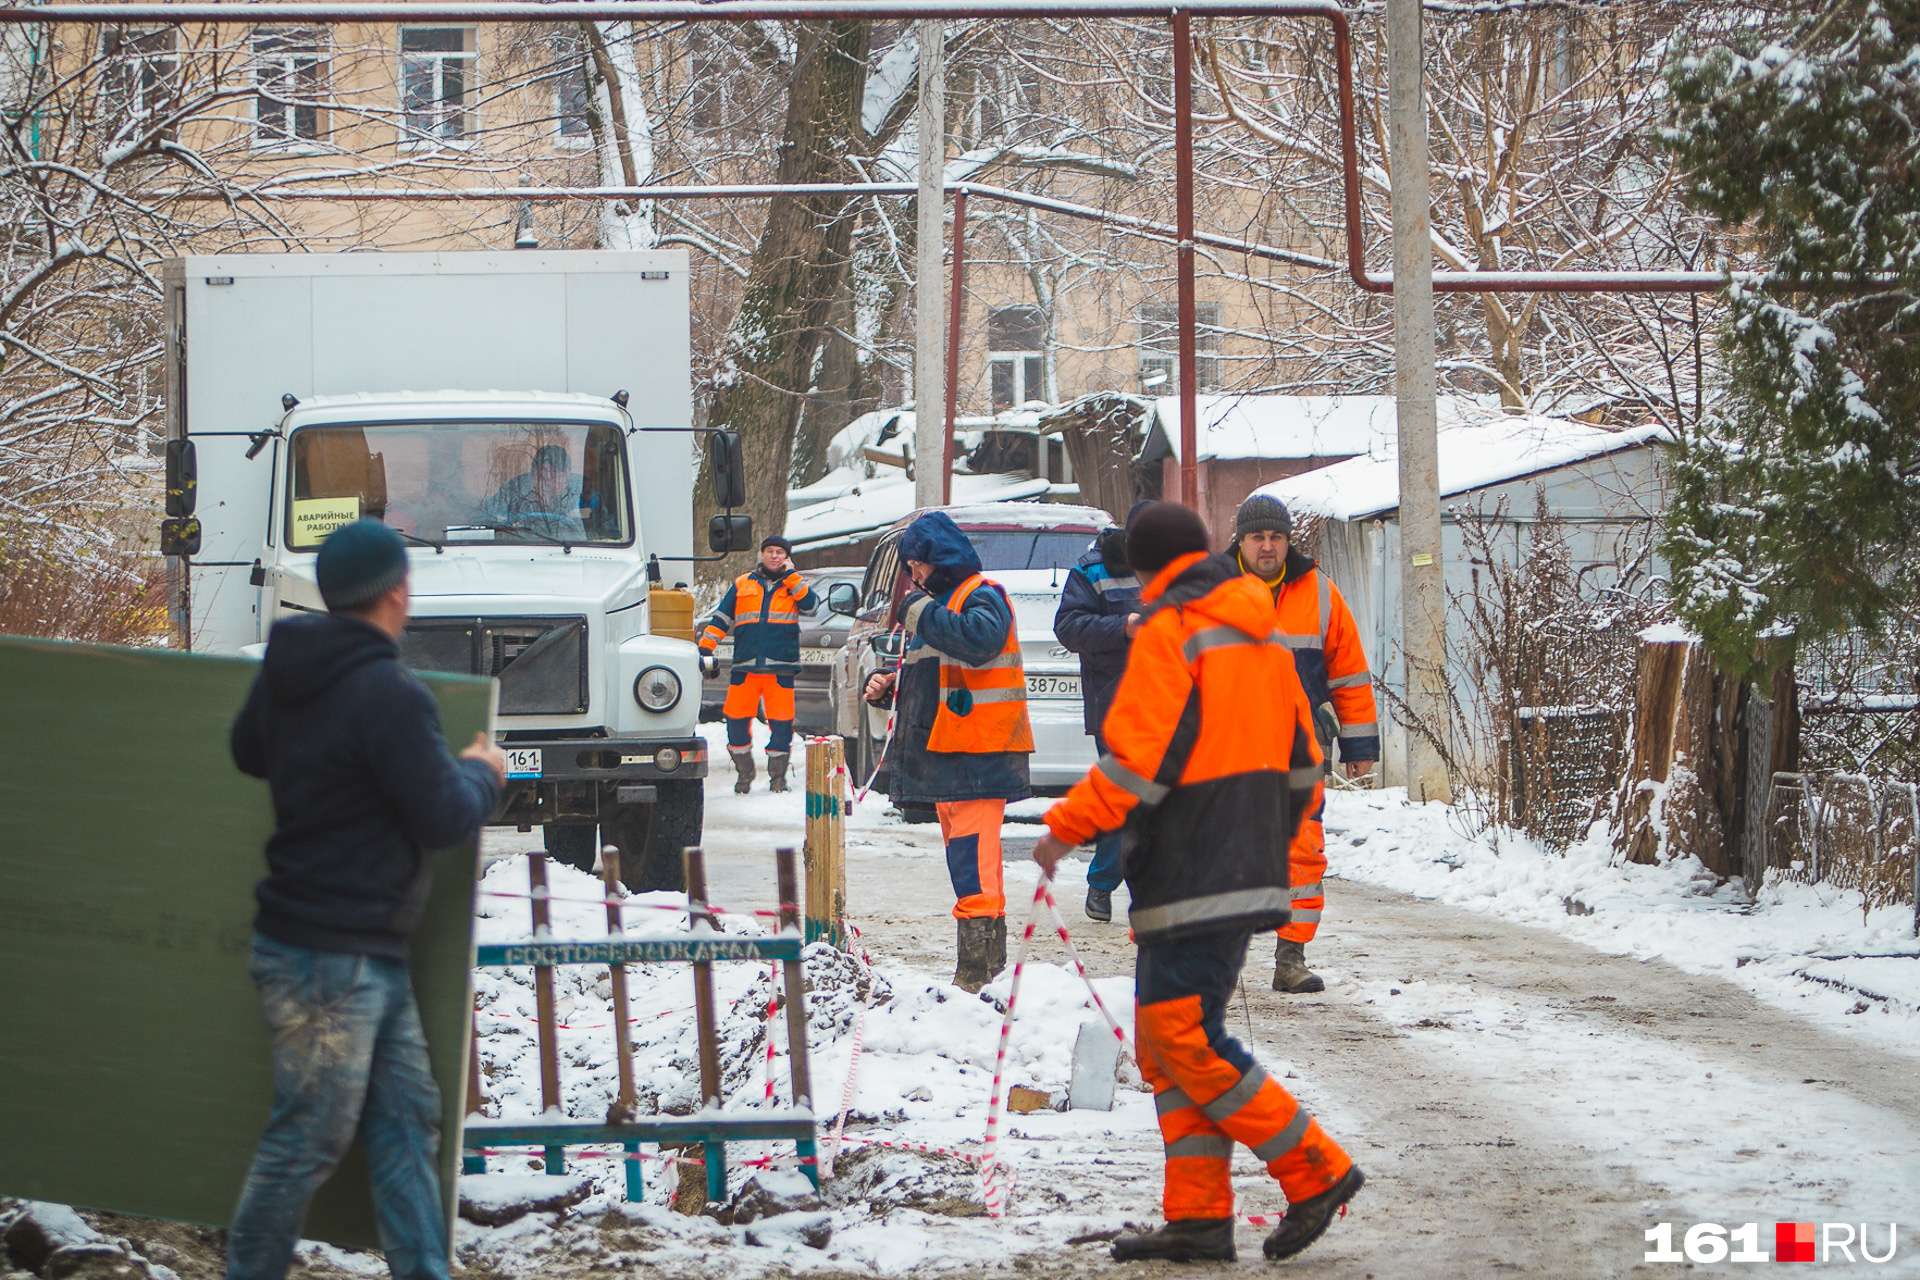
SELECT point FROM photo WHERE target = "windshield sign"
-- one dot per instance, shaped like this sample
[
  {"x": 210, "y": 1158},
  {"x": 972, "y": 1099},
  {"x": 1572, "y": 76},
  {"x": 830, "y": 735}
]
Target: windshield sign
[{"x": 486, "y": 483}]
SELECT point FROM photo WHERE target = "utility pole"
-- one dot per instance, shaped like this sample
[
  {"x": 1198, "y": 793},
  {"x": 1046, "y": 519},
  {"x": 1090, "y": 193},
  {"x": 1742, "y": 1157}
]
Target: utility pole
[
  {"x": 930, "y": 328},
  {"x": 1423, "y": 617}
]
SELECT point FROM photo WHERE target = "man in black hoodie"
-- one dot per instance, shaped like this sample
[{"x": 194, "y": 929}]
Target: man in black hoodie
[{"x": 363, "y": 785}]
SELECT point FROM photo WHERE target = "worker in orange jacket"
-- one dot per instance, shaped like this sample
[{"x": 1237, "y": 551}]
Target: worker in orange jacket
[
  {"x": 1333, "y": 670},
  {"x": 1211, "y": 762}
]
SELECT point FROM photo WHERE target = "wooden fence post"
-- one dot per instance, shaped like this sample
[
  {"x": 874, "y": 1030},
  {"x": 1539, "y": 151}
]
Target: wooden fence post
[
  {"x": 543, "y": 1004},
  {"x": 700, "y": 920},
  {"x": 628, "y": 1102},
  {"x": 825, "y": 853},
  {"x": 796, "y": 988}
]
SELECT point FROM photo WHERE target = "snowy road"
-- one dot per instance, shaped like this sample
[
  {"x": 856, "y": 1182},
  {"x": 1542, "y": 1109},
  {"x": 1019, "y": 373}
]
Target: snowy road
[{"x": 1523, "y": 1103}]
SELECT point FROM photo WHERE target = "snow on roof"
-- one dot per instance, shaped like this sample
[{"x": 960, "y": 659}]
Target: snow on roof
[
  {"x": 877, "y": 503},
  {"x": 865, "y": 432},
  {"x": 1474, "y": 454},
  {"x": 1274, "y": 426}
]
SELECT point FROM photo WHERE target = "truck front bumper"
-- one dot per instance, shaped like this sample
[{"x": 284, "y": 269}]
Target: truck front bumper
[{"x": 578, "y": 779}]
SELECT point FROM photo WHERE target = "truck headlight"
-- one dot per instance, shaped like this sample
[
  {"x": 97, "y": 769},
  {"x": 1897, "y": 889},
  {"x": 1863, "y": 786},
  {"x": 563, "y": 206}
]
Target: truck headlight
[{"x": 656, "y": 689}]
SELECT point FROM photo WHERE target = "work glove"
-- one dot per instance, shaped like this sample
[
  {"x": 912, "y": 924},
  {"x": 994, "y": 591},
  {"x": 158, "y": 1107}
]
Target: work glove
[
  {"x": 916, "y": 603},
  {"x": 709, "y": 665},
  {"x": 1326, "y": 727}
]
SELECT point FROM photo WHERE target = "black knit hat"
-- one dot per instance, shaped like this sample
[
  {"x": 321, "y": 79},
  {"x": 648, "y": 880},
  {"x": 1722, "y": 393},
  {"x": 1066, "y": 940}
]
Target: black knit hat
[
  {"x": 1262, "y": 511},
  {"x": 1161, "y": 534},
  {"x": 776, "y": 540},
  {"x": 359, "y": 562}
]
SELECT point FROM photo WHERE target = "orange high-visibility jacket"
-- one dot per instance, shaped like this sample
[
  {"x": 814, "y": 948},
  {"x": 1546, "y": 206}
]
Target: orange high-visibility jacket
[
  {"x": 1326, "y": 652},
  {"x": 982, "y": 707},
  {"x": 1212, "y": 758},
  {"x": 763, "y": 613}
]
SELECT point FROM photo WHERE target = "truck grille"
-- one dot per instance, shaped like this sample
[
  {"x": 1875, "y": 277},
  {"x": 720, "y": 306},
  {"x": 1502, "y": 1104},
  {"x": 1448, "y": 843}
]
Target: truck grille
[{"x": 541, "y": 663}]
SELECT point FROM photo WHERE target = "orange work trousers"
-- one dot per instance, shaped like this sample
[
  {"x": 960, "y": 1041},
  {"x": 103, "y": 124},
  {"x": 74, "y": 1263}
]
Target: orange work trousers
[
  {"x": 746, "y": 694},
  {"x": 1306, "y": 870},
  {"x": 1208, "y": 1090},
  {"x": 971, "y": 829}
]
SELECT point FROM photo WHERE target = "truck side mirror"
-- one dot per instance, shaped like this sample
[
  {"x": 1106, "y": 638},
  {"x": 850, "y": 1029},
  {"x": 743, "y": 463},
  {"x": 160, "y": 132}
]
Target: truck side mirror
[
  {"x": 180, "y": 536},
  {"x": 183, "y": 478},
  {"x": 727, "y": 463},
  {"x": 727, "y": 534},
  {"x": 843, "y": 598}
]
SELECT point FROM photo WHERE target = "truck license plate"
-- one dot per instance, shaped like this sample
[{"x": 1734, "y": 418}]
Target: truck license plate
[
  {"x": 1053, "y": 686},
  {"x": 523, "y": 762}
]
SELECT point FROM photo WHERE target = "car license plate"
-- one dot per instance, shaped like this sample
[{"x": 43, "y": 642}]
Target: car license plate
[
  {"x": 724, "y": 651},
  {"x": 523, "y": 762},
  {"x": 821, "y": 657},
  {"x": 1053, "y": 686}
]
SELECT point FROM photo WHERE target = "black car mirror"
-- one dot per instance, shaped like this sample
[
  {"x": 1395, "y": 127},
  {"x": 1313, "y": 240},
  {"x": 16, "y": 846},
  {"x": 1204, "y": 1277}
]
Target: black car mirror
[
  {"x": 727, "y": 464},
  {"x": 180, "y": 536},
  {"x": 889, "y": 644},
  {"x": 183, "y": 477},
  {"x": 843, "y": 598},
  {"x": 727, "y": 534}
]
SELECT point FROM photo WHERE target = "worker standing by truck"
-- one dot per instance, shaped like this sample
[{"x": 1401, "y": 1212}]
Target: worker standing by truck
[
  {"x": 962, "y": 737},
  {"x": 1098, "y": 615},
  {"x": 1333, "y": 670},
  {"x": 1212, "y": 764},
  {"x": 350, "y": 745},
  {"x": 762, "y": 608}
]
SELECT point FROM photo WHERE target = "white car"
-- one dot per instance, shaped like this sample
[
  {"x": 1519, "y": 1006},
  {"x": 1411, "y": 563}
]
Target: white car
[{"x": 1028, "y": 548}]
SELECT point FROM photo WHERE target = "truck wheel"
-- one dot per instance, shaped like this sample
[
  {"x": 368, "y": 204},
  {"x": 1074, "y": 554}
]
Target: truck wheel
[
  {"x": 572, "y": 843},
  {"x": 651, "y": 836}
]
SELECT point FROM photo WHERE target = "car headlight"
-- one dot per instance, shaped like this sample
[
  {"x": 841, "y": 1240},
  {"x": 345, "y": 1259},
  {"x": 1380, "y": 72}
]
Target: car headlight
[{"x": 656, "y": 689}]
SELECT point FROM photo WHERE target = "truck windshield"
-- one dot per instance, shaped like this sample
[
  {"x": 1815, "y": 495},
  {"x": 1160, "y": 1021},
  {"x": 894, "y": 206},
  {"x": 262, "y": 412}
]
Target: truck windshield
[{"x": 462, "y": 482}]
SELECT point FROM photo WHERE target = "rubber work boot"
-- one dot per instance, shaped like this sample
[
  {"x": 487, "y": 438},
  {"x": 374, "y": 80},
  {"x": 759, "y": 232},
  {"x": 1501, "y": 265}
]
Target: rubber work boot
[
  {"x": 776, "y": 771},
  {"x": 997, "y": 947},
  {"x": 1307, "y": 1220},
  {"x": 742, "y": 769},
  {"x": 1100, "y": 905},
  {"x": 1188, "y": 1240},
  {"x": 974, "y": 970},
  {"x": 1290, "y": 972}
]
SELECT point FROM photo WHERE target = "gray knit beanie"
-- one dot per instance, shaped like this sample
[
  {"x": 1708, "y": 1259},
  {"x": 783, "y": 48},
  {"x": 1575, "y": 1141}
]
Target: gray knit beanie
[
  {"x": 1262, "y": 511},
  {"x": 358, "y": 562}
]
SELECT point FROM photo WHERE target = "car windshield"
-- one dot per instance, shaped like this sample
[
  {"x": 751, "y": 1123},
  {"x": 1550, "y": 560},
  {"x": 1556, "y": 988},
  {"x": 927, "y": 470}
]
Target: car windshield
[
  {"x": 462, "y": 482},
  {"x": 1029, "y": 548}
]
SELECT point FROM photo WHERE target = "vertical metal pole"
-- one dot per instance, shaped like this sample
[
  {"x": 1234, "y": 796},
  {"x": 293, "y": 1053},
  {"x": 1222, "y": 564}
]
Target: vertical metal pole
[
  {"x": 930, "y": 348},
  {"x": 1183, "y": 255},
  {"x": 543, "y": 1005},
  {"x": 700, "y": 920},
  {"x": 475, "y": 1163},
  {"x": 796, "y": 983},
  {"x": 953, "y": 338},
  {"x": 1422, "y": 586},
  {"x": 628, "y": 1100}
]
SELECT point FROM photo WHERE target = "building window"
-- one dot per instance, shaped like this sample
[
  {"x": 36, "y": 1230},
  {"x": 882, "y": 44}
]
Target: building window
[
  {"x": 436, "y": 82},
  {"x": 1016, "y": 356},
  {"x": 140, "y": 70},
  {"x": 1160, "y": 347},
  {"x": 571, "y": 103},
  {"x": 288, "y": 73}
]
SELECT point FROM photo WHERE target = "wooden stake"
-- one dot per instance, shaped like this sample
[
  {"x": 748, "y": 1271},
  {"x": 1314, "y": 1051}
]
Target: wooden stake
[
  {"x": 825, "y": 853},
  {"x": 627, "y": 1103},
  {"x": 543, "y": 1004},
  {"x": 796, "y": 984},
  {"x": 700, "y": 919}
]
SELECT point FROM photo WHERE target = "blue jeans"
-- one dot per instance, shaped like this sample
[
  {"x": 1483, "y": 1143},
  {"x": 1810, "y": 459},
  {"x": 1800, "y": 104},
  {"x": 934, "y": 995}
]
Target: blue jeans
[
  {"x": 348, "y": 1055},
  {"x": 1104, "y": 874}
]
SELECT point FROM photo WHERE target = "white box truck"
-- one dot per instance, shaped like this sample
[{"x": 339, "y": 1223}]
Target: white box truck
[{"x": 524, "y": 420}]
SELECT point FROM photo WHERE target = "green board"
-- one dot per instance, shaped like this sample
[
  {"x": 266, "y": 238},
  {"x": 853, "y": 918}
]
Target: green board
[{"x": 134, "y": 1064}]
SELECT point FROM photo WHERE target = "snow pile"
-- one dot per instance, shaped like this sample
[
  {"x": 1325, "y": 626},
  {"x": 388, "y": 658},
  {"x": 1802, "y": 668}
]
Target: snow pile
[{"x": 1807, "y": 948}]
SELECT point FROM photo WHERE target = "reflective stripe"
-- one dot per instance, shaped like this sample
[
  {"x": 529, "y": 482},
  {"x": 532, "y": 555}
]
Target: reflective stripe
[
  {"x": 1306, "y": 916},
  {"x": 1128, "y": 583},
  {"x": 998, "y": 660},
  {"x": 1223, "y": 1107},
  {"x": 923, "y": 654},
  {"x": 1214, "y": 1146},
  {"x": 1171, "y": 1100},
  {"x": 1371, "y": 729},
  {"x": 1348, "y": 682},
  {"x": 1303, "y": 779},
  {"x": 999, "y": 695},
  {"x": 1148, "y": 791},
  {"x": 911, "y": 619},
  {"x": 720, "y": 620},
  {"x": 1285, "y": 1140},
  {"x": 1214, "y": 638},
  {"x": 1215, "y": 906},
  {"x": 1314, "y": 890},
  {"x": 1300, "y": 642}
]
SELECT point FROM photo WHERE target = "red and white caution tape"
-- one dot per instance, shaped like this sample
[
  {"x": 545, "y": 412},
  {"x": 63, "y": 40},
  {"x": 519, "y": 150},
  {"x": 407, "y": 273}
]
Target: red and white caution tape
[
  {"x": 1060, "y": 925},
  {"x": 773, "y": 1003},
  {"x": 846, "y": 1094},
  {"x": 995, "y": 1179}
]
